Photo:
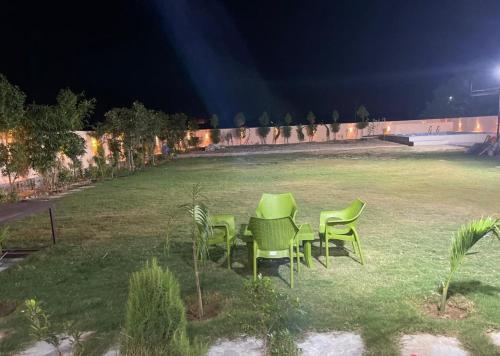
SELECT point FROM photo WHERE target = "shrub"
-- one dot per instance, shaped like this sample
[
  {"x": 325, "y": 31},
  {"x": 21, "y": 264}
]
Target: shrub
[
  {"x": 300, "y": 132},
  {"x": 41, "y": 329},
  {"x": 287, "y": 132},
  {"x": 3, "y": 236},
  {"x": 215, "y": 136},
  {"x": 64, "y": 176},
  {"x": 155, "y": 317},
  {"x": 274, "y": 316},
  {"x": 263, "y": 129},
  {"x": 193, "y": 140}
]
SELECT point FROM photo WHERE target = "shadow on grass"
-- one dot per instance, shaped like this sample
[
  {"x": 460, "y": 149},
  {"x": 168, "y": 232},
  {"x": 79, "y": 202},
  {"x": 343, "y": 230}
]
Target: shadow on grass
[
  {"x": 472, "y": 286},
  {"x": 337, "y": 250}
]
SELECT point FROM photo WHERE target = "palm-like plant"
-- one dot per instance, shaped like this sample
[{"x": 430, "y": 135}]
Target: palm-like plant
[
  {"x": 462, "y": 242},
  {"x": 201, "y": 231}
]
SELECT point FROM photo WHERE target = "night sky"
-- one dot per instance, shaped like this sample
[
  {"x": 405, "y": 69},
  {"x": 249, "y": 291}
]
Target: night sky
[{"x": 203, "y": 57}]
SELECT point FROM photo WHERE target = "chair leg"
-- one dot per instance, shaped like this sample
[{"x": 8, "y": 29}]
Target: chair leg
[
  {"x": 254, "y": 262},
  {"x": 291, "y": 265},
  {"x": 358, "y": 243},
  {"x": 327, "y": 251},
  {"x": 320, "y": 245},
  {"x": 228, "y": 247},
  {"x": 298, "y": 257}
]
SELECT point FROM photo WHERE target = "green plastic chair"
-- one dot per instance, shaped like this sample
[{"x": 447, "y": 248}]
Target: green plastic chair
[
  {"x": 273, "y": 238},
  {"x": 274, "y": 206},
  {"x": 341, "y": 225},
  {"x": 224, "y": 232}
]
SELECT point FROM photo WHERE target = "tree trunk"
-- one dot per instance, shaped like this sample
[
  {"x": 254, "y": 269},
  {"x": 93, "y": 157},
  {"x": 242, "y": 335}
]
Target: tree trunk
[{"x": 197, "y": 281}]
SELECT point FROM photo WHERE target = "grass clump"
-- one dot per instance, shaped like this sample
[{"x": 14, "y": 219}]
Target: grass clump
[
  {"x": 155, "y": 317},
  {"x": 276, "y": 316}
]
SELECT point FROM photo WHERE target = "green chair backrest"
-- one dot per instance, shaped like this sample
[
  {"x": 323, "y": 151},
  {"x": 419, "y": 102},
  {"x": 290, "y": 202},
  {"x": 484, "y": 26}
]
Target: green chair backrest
[
  {"x": 272, "y": 234},
  {"x": 274, "y": 206},
  {"x": 347, "y": 216}
]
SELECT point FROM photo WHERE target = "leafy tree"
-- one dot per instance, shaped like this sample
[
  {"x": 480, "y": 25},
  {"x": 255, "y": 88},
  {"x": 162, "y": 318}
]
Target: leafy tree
[
  {"x": 465, "y": 238},
  {"x": 287, "y": 129},
  {"x": 335, "y": 125},
  {"x": 362, "y": 118},
  {"x": 300, "y": 133},
  {"x": 11, "y": 105},
  {"x": 215, "y": 131},
  {"x": 14, "y": 161},
  {"x": 192, "y": 125},
  {"x": 264, "y": 128},
  {"x": 123, "y": 128},
  {"x": 175, "y": 129},
  {"x": 311, "y": 127},
  {"x": 49, "y": 131},
  {"x": 239, "y": 123}
]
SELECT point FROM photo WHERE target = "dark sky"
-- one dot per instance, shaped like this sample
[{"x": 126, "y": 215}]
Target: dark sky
[{"x": 201, "y": 57}]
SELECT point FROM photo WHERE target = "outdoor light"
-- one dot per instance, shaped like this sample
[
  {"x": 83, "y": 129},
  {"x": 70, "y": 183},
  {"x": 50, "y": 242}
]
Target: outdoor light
[
  {"x": 388, "y": 128},
  {"x": 496, "y": 72},
  {"x": 450, "y": 98}
]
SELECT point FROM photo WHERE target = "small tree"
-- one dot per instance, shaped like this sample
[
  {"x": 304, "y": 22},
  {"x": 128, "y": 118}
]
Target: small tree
[
  {"x": 49, "y": 131},
  {"x": 276, "y": 131},
  {"x": 263, "y": 129},
  {"x": 300, "y": 132},
  {"x": 14, "y": 157},
  {"x": 201, "y": 231},
  {"x": 239, "y": 123},
  {"x": 335, "y": 125},
  {"x": 463, "y": 240},
  {"x": 362, "y": 118},
  {"x": 311, "y": 127},
  {"x": 11, "y": 105},
  {"x": 287, "y": 129},
  {"x": 14, "y": 162},
  {"x": 215, "y": 131},
  {"x": 155, "y": 317}
]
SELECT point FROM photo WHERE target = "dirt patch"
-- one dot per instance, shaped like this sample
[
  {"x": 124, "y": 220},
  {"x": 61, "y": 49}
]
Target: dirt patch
[
  {"x": 3, "y": 335},
  {"x": 7, "y": 307},
  {"x": 458, "y": 307},
  {"x": 213, "y": 304}
]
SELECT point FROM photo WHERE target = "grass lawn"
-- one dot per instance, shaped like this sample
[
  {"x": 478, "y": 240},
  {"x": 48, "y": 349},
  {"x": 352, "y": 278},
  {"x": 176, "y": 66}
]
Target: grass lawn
[{"x": 414, "y": 204}]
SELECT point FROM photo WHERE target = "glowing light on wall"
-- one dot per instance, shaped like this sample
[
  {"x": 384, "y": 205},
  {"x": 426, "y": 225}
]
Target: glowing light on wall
[
  {"x": 93, "y": 142},
  {"x": 350, "y": 129},
  {"x": 206, "y": 136}
]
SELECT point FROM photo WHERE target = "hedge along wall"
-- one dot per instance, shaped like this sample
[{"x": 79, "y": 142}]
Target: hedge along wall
[{"x": 347, "y": 131}]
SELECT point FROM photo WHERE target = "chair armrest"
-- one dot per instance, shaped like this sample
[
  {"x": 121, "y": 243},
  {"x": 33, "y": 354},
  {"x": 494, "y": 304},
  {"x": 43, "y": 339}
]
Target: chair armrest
[
  {"x": 226, "y": 221},
  {"x": 327, "y": 215}
]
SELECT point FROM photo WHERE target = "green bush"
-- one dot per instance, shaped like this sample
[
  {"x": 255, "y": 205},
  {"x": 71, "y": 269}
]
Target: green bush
[
  {"x": 215, "y": 136},
  {"x": 300, "y": 132},
  {"x": 3, "y": 236},
  {"x": 275, "y": 316},
  {"x": 155, "y": 318}
]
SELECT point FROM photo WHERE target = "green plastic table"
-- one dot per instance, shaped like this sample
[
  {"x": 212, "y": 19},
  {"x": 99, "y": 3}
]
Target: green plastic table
[{"x": 305, "y": 235}]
